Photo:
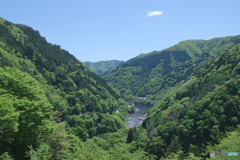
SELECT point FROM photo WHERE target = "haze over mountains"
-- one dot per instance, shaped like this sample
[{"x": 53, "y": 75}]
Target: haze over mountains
[
  {"x": 54, "y": 107},
  {"x": 102, "y": 67}
]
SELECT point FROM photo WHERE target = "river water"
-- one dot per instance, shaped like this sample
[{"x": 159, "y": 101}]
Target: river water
[{"x": 136, "y": 118}]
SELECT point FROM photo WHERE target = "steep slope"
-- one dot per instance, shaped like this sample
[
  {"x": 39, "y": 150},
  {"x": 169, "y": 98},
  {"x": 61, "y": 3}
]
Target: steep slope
[
  {"x": 24, "y": 48},
  {"x": 102, "y": 67},
  {"x": 201, "y": 111},
  {"x": 45, "y": 93},
  {"x": 155, "y": 73}
]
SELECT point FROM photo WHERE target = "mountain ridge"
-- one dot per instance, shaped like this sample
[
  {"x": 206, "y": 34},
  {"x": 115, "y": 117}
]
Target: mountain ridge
[
  {"x": 48, "y": 98},
  {"x": 53, "y": 107},
  {"x": 102, "y": 67},
  {"x": 202, "y": 110},
  {"x": 144, "y": 71}
]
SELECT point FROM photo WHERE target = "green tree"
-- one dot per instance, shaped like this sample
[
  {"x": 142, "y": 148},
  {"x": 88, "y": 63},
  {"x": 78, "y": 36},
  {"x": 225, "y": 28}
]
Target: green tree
[
  {"x": 5, "y": 156},
  {"x": 42, "y": 153},
  {"x": 174, "y": 146},
  {"x": 58, "y": 142},
  {"x": 157, "y": 146},
  {"x": 130, "y": 136},
  {"x": 8, "y": 117},
  {"x": 31, "y": 107}
]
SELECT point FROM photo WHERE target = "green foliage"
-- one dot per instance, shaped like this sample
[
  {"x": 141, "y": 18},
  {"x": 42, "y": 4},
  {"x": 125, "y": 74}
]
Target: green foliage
[
  {"x": 53, "y": 107},
  {"x": 107, "y": 124},
  {"x": 41, "y": 153},
  {"x": 174, "y": 146},
  {"x": 230, "y": 143},
  {"x": 157, "y": 146},
  {"x": 156, "y": 73},
  {"x": 37, "y": 78},
  {"x": 9, "y": 118},
  {"x": 111, "y": 146},
  {"x": 58, "y": 142},
  {"x": 130, "y": 136},
  {"x": 201, "y": 111},
  {"x": 5, "y": 156},
  {"x": 24, "y": 113},
  {"x": 52, "y": 65}
]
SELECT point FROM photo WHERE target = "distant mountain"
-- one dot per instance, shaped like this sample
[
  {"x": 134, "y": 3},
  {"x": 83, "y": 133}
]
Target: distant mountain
[
  {"x": 102, "y": 67},
  {"x": 155, "y": 73}
]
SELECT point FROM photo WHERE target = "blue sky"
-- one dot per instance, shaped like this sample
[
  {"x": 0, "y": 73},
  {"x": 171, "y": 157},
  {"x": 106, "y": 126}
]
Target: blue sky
[{"x": 94, "y": 30}]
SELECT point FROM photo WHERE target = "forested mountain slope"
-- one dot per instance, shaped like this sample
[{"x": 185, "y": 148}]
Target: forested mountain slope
[
  {"x": 196, "y": 116},
  {"x": 102, "y": 67},
  {"x": 53, "y": 107},
  {"x": 153, "y": 74},
  {"x": 50, "y": 103}
]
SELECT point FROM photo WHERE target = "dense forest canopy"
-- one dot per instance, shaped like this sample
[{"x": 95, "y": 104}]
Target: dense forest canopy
[
  {"x": 194, "y": 87},
  {"x": 152, "y": 75},
  {"x": 203, "y": 109},
  {"x": 47, "y": 94},
  {"x": 53, "y": 107}
]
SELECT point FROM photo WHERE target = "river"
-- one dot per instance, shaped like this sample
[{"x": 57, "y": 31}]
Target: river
[{"x": 136, "y": 118}]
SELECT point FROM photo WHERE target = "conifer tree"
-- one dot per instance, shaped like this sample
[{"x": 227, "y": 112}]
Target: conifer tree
[{"x": 130, "y": 136}]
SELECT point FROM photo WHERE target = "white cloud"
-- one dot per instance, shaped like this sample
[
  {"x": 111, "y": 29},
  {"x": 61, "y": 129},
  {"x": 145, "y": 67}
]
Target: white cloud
[{"x": 154, "y": 13}]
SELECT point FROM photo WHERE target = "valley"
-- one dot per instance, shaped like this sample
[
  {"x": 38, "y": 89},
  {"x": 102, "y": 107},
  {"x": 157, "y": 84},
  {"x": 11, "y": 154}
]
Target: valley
[
  {"x": 137, "y": 117},
  {"x": 52, "y": 106}
]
